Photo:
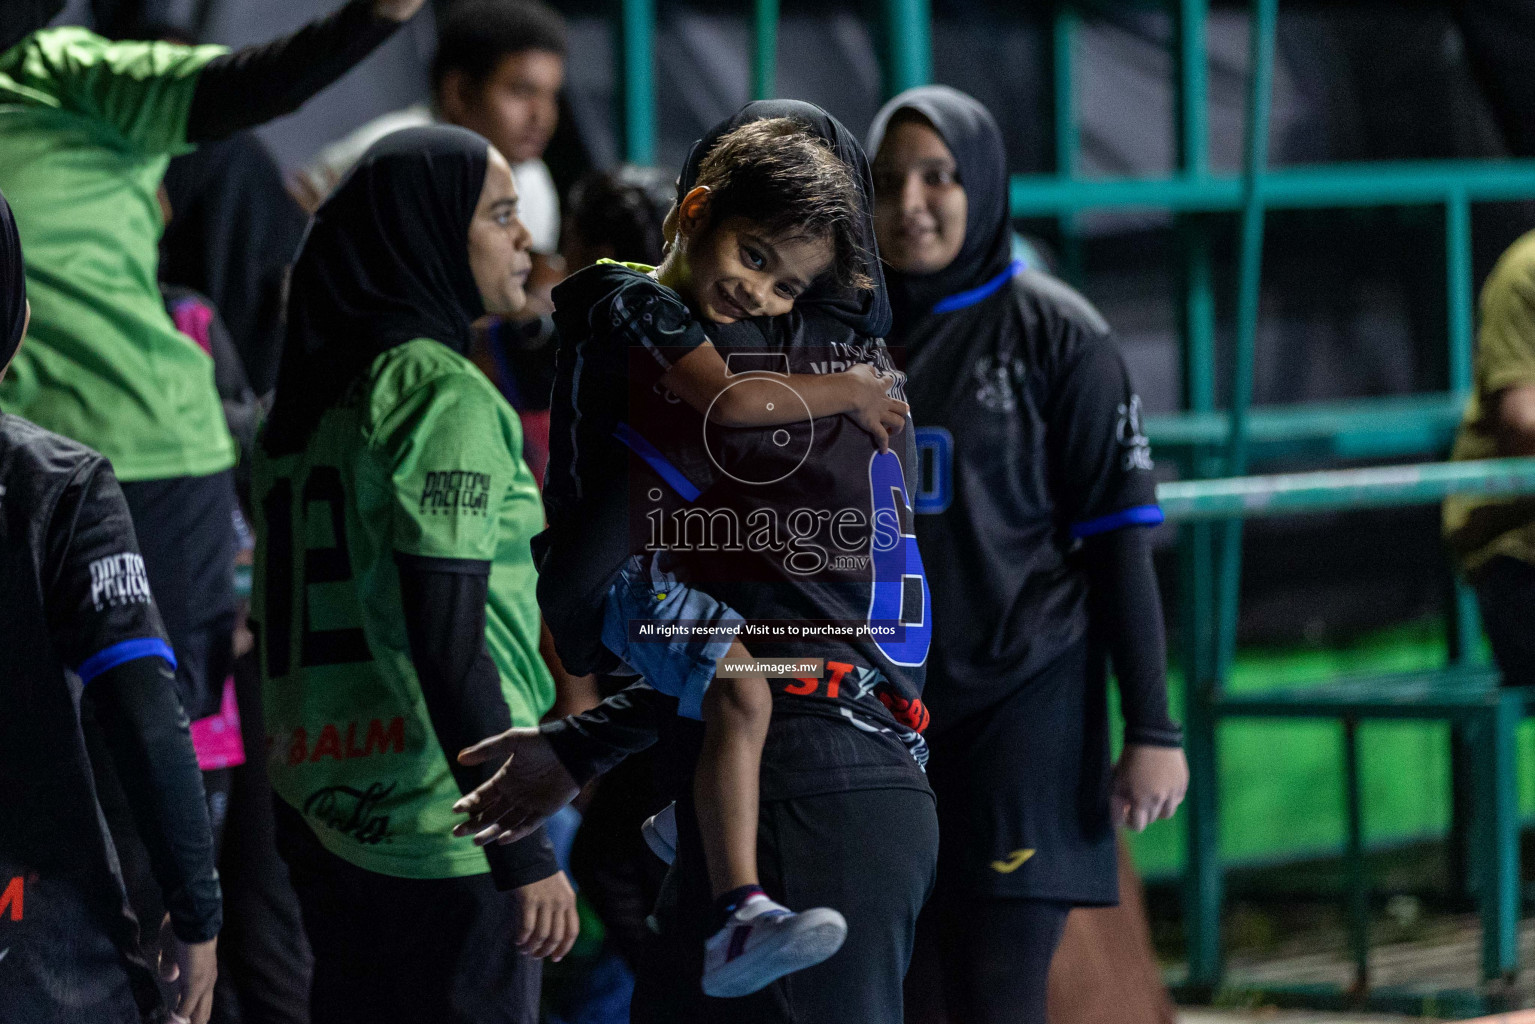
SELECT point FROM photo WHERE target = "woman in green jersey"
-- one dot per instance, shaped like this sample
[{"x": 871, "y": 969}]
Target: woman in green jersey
[{"x": 395, "y": 593}]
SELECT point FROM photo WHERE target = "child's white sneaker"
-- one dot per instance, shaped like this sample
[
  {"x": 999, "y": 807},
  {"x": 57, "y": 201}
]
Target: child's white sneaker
[
  {"x": 660, "y": 832},
  {"x": 762, "y": 941}
]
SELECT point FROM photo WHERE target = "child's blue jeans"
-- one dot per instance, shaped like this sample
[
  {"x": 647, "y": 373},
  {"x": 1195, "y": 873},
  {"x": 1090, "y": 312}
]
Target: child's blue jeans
[{"x": 680, "y": 666}]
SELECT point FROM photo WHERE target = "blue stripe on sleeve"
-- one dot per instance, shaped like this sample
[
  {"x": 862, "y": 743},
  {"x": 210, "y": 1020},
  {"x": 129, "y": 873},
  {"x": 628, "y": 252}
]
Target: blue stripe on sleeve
[
  {"x": 658, "y": 462},
  {"x": 1138, "y": 515},
  {"x": 122, "y": 652}
]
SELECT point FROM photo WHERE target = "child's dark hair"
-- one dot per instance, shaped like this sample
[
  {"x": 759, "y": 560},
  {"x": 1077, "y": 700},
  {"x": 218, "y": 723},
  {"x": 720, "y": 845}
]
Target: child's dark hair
[
  {"x": 623, "y": 209},
  {"x": 475, "y": 35},
  {"x": 778, "y": 175}
]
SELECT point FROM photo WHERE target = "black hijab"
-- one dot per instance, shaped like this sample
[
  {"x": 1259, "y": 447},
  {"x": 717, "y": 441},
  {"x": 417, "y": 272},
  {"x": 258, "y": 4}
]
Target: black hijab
[
  {"x": 867, "y": 313},
  {"x": 972, "y": 135},
  {"x": 385, "y": 261},
  {"x": 13, "y": 286}
]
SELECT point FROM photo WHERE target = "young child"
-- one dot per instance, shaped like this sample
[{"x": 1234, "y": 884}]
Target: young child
[{"x": 772, "y": 211}]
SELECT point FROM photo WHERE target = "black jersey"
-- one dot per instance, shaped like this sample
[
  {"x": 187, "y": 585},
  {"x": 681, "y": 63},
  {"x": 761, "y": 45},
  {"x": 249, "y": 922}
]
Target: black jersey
[
  {"x": 75, "y": 603},
  {"x": 620, "y": 331},
  {"x": 807, "y": 527},
  {"x": 1029, "y": 438}
]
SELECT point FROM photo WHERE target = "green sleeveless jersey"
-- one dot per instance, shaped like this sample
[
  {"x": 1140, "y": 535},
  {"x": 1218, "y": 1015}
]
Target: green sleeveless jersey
[{"x": 424, "y": 458}]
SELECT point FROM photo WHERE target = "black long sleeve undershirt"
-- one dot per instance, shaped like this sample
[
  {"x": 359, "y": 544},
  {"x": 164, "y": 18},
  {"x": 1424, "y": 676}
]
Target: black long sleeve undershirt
[
  {"x": 593, "y": 743},
  {"x": 444, "y": 604},
  {"x": 253, "y": 85},
  {"x": 147, "y": 733},
  {"x": 1126, "y": 609}
]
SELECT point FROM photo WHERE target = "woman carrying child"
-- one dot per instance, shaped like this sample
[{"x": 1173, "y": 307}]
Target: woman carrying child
[{"x": 845, "y": 816}]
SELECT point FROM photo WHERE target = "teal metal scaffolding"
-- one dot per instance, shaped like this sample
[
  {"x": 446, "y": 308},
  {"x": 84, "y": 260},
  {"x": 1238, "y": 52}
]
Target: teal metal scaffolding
[{"x": 1206, "y": 441}]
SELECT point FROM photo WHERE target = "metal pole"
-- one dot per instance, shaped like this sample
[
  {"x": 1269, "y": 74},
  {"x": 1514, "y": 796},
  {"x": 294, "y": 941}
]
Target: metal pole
[
  {"x": 637, "y": 82},
  {"x": 1194, "y": 118},
  {"x": 765, "y": 50},
  {"x": 1457, "y": 248},
  {"x": 1203, "y": 880},
  {"x": 1331, "y": 490},
  {"x": 910, "y": 44},
  {"x": 1264, "y": 19},
  {"x": 1358, "y": 891}
]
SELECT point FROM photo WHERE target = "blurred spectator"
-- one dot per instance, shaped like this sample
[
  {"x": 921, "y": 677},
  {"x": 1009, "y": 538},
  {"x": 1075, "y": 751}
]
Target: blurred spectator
[
  {"x": 233, "y": 233},
  {"x": 617, "y": 215},
  {"x": 499, "y": 70},
  {"x": 1494, "y": 538},
  {"x": 87, "y": 126},
  {"x": 265, "y": 965}
]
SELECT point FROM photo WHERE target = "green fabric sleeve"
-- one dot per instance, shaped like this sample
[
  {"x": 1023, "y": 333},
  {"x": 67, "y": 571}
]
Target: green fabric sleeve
[
  {"x": 448, "y": 444},
  {"x": 139, "y": 91},
  {"x": 1506, "y": 346}
]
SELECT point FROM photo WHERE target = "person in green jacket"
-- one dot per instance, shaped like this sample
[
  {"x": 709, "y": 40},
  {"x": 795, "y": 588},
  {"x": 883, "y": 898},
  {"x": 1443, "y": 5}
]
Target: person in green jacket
[{"x": 87, "y": 126}]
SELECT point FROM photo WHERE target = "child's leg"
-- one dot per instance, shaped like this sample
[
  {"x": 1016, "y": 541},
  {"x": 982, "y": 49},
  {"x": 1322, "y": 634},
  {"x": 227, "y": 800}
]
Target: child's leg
[{"x": 736, "y": 716}]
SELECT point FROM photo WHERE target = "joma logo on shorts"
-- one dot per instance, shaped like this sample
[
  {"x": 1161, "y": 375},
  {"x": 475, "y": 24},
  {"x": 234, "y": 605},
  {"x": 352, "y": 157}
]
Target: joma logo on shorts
[{"x": 456, "y": 491}]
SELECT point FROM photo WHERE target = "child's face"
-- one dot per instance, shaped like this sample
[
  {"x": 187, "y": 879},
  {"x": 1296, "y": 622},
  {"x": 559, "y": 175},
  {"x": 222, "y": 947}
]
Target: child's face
[{"x": 737, "y": 272}]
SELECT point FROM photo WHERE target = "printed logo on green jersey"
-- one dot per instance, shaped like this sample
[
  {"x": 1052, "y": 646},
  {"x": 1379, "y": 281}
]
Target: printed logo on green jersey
[
  {"x": 456, "y": 492},
  {"x": 351, "y": 811}
]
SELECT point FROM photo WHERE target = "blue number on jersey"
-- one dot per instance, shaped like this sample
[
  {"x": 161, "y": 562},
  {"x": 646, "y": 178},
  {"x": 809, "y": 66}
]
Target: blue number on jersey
[
  {"x": 898, "y": 575},
  {"x": 935, "y": 470}
]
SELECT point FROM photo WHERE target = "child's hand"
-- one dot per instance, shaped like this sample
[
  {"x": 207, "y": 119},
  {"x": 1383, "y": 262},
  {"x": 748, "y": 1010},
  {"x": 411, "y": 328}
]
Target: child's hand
[{"x": 872, "y": 408}]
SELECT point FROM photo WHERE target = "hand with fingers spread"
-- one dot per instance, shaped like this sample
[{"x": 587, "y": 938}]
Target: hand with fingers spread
[
  {"x": 550, "y": 923},
  {"x": 1149, "y": 784},
  {"x": 191, "y": 968},
  {"x": 526, "y": 790}
]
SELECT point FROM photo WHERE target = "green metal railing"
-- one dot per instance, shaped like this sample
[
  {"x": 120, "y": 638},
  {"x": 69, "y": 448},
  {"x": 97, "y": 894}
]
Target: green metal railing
[
  {"x": 1214, "y": 442},
  {"x": 1252, "y": 497},
  {"x": 1205, "y": 441},
  {"x": 908, "y": 54}
]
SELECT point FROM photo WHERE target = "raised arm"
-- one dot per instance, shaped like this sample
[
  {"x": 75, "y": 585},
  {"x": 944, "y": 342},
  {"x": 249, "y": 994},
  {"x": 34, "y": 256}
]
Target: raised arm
[{"x": 251, "y": 86}]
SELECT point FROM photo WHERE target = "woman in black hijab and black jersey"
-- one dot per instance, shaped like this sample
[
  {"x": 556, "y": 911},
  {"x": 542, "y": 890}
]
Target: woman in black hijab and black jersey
[
  {"x": 391, "y": 473},
  {"x": 846, "y": 814},
  {"x": 1042, "y": 480}
]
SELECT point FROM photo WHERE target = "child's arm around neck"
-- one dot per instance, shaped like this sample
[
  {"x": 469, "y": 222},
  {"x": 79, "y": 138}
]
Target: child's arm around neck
[{"x": 757, "y": 399}]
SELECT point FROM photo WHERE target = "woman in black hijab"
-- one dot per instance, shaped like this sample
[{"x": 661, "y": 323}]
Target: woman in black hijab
[
  {"x": 846, "y": 817},
  {"x": 391, "y": 473},
  {"x": 1041, "y": 476}
]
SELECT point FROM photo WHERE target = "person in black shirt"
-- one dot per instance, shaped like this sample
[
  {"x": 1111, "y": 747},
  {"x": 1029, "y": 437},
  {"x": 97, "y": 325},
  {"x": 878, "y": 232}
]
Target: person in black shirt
[
  {"x": 1038, "y": 479},
  {"x": 846, "y": 815},
  {"x": 83, "y": 637}
]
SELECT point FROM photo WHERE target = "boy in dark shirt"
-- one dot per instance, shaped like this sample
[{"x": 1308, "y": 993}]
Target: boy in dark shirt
[{"x": 772, "y": 211}]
